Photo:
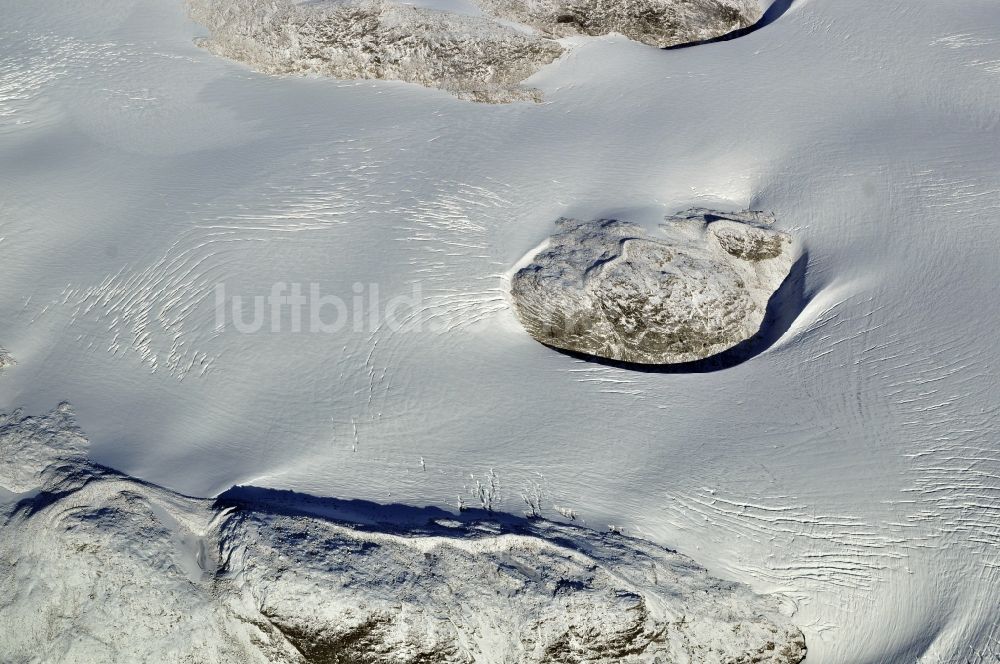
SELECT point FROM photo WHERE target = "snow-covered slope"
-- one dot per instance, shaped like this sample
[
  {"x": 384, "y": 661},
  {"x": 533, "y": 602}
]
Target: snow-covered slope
[
  {"x": 98, "y": 566},
  {"x": 852, "y": 467}
]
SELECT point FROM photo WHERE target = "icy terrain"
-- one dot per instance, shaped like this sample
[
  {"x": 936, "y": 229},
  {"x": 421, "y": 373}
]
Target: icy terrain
[
  {"x": 609, "y": 289},
  {"x": 853, "y": 468},
  {"x": 100, "y": 567}
]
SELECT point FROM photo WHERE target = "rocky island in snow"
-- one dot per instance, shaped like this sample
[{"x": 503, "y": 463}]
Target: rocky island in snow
[
  {"x": 482, "y": 58},
  {"x": 470, "y": 56},
  {"x": 610, "y": 289},
  {"x": 659, "y": 23}
]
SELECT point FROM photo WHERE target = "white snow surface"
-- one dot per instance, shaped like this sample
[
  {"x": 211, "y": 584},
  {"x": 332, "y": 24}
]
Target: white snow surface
[{"x": 852, "y": 468}]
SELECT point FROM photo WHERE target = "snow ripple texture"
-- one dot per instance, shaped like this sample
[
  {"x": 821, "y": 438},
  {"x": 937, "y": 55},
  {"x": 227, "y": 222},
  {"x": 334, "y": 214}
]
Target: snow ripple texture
[
  {"x": 100, "y": 566},
  {"x": 609, "y": 289}
]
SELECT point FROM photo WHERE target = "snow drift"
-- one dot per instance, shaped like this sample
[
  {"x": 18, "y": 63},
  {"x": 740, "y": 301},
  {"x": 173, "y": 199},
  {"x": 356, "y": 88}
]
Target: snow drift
[
  {"x": 98, "y": 564},
  {"x": 610, "y": 289}
]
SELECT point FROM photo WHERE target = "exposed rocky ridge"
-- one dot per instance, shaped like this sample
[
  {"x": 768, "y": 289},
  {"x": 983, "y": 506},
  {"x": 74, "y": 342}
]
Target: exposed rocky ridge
[
  {"x": 610, "y": 289},
  {"x": 99, "y": 566},
  {"x": 475, "y": 57},
  {"x": 6, "y": 359}
]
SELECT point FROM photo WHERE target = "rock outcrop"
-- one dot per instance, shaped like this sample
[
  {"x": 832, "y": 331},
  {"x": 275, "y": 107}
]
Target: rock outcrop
[
  {"x": 98, "y": 566},
  {"x": 470, "y": 56},
  {"x": 610, "y": 289},
  {"x": 481, "y": 58},
  {"x": 6, "y": 360},
  {"x": 659, "y": 23}
]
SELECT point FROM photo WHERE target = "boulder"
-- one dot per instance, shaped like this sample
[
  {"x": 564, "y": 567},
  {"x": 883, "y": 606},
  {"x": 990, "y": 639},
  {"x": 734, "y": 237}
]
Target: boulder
[{"x": 611, "y": 289}]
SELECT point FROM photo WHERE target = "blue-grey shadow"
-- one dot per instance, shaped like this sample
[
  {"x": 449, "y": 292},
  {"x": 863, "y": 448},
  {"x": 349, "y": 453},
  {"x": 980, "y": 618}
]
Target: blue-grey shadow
[
  {"x": 393, "y": 518},
  {"x": 773, "y": 13},
  {"x": 410, "y": 520}
]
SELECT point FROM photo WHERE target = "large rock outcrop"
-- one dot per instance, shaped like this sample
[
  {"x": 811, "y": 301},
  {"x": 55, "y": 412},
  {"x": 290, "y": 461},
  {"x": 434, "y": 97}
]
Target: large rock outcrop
[
  {"x": 470, "y": 56},
  {"x": 610, "y": 289},
  {"x": 659, "y": 23},
  {"x": 98, "y": 566},
  {"x": 482, "y": 58}
]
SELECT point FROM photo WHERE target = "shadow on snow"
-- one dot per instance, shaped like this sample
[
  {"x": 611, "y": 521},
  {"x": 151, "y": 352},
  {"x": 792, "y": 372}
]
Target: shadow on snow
[
  {"x": 773, "y": 13},
  {"x": 400, "y": 519}
]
